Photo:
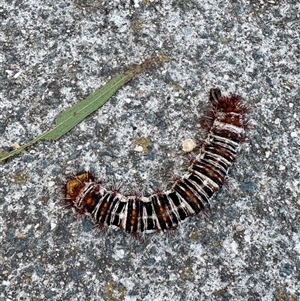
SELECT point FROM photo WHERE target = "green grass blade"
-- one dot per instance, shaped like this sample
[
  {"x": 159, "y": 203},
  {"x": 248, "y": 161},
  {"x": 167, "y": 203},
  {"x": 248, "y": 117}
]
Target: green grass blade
[{"x": 69, "y": 118}]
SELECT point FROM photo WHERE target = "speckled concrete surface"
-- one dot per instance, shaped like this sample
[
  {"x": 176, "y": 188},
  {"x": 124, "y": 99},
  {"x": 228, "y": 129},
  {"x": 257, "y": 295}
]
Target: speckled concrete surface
[{"x": 54, "y": 53}]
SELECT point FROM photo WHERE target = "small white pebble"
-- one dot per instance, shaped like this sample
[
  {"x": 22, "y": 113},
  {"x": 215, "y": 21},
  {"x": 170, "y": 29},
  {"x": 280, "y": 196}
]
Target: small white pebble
[
  {"x": 16, "y": 145},
  {"x": 138, "y": 148},
  {"x": 18, "y": 74},
  {"x": 281, "y": 167},
  {"x": 53, "y": 225},
  {"x": 51, "y": 184},
  {"x": 119, "y": 254},
  {"x": 294, "y": 134},
  {"x": 268, "y": 154},
  {"x": 9, "y": 73},
  {"x": 239, "y": 228},
  {"x": 188, "y": 145}
]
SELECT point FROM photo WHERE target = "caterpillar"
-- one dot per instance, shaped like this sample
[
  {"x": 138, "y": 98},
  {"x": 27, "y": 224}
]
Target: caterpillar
[{"x": 189, "y": 195}]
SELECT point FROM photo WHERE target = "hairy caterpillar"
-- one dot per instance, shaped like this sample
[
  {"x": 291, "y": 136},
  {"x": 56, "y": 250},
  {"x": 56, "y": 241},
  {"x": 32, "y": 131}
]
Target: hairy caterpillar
[{"x": 189, "y": 195}]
